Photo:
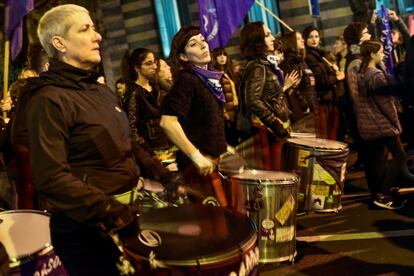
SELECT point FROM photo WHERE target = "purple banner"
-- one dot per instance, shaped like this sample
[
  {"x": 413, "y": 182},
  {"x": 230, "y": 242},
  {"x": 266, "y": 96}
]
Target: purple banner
[
  {"x": 14, "y": 12},
  {"x": 219, "y": 19},
  {"x": 386, "y": 41},
  {"x": 314, "y": 7}
]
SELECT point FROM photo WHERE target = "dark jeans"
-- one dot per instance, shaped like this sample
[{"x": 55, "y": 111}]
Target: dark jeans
[
  {"x": 83, "y": 250},
  {"x": 381, "y": 174}
]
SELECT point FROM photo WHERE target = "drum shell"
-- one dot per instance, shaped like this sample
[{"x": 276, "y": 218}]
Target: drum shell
[
  {"x": 26, "y": 237},
  {"x": 318, "y": 190},
  {"x": 203, "y": 256},
  {"x": 276, "y": 220}
]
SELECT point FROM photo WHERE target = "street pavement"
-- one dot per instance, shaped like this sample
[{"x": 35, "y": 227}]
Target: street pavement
[{"x": 361, "y": 239}]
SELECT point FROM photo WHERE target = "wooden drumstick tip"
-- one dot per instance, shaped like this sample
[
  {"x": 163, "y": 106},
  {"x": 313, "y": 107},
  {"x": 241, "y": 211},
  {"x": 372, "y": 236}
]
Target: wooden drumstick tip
[{"x": 181, "y": 190}]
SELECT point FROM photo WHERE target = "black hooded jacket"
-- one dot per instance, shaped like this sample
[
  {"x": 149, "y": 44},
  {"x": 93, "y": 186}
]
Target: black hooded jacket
[{"x": 80, "y": 146}]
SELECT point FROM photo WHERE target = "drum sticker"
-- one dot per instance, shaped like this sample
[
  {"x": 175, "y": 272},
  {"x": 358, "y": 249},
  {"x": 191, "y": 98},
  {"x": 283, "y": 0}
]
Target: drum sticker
[
  {"x": 336, "y": 192},
  {"x": 211, "y": 200},
  {"x": 249, "y": 264},
  {"x": 51, "y": 265},
  {"x": 303, "y": 160},
  {"x": 320, "y": 174},
  {"x": 343, "y": 171},
  {"x": 329, "y": 199},
  {"x": 267, "y": 231},
  {"x": 318, "y": 202},
  {"x": 320, "y": 190},
  {"x": 284, "y": 234},
  {"x": 284, "y": 213},
  {"x": 149, "y": 238}
]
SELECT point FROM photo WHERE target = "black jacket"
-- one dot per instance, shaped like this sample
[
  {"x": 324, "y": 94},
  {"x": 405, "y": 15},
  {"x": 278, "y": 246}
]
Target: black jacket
[
  {"x": 262, "y": 95},
  {"x": 144, "y": 117},
  {"x": 80, "y": 146},
  {"x": 200, "y": 114},
  {"x": 325, "y": 76}
]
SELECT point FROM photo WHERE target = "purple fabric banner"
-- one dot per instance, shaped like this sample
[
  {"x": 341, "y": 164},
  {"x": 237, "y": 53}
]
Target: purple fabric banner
[
  {"x": 314, "y": 7},
  {"x": 219, "y": 19},
  {"x": 14, "y": 12},
  {"x": 386, "y": 41}
]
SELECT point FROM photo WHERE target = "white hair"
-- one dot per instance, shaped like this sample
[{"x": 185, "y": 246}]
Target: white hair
[{"x": 56, "y": 22}]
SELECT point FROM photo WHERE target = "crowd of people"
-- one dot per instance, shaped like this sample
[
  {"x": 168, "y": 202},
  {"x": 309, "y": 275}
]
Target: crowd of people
[{"x": 78, "y": 148}]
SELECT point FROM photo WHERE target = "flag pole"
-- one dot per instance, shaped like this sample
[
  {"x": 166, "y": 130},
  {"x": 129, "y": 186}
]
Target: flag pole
[
  {"x": 274, "y": 15},
  {"x": 6, "y": 72}
]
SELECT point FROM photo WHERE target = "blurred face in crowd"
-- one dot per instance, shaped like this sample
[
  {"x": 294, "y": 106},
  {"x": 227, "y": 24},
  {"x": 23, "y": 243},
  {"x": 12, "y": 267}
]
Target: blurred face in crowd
[
  {"x": 80, "y": 46},
  {"x": 148, "y": 67},
  {"x": 120, "y": 87},
  {"x": 280, "y": 55},
  {"x": 269, "y": 39},
  {"x": 365, "y": 35},
  {"x": 221, "y": 59},
  {"x": 378, "y": 56},
  {"x": 299, "y": 41},
  {"x": 339, "y": 46},
  {"x": 313, "y": 40},
  {"x": 396, "y": 37},
  {"x": 164, "y": 71},
  {"x": 27, "y": 73},
  {"x": 196, "y": 51}
]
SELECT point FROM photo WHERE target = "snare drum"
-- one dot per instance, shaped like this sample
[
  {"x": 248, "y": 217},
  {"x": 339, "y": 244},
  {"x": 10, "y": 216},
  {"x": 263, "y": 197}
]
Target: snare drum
[
  {"x": 26, "y": 236},
  {"x": 321, "y": 165},
  {"x": 276, "y": 217},
  {"x": 194, "y": 240}
]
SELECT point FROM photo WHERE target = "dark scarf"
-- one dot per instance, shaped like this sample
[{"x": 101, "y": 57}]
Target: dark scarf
[{"x": 212, "y": 80}]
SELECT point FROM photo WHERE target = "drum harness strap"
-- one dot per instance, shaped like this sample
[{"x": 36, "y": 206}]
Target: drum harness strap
[{"x": 154, "y": 263}]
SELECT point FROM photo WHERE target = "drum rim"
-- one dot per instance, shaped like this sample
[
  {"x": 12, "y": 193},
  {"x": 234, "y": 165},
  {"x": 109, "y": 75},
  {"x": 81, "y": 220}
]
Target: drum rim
[
  {"x": 345, "y": 145},
  {"x": 247, "y": 245},
  {"x": 45, "y": 213},
  {"x": 18, "y": 261},
  {"x": 290, "y": 177}
]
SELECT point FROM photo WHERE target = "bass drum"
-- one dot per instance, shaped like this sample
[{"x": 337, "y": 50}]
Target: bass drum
[
  {"x": 194, "y": 240},
  {"x": 321, "y": 165},
  {"x": 25, "y": 235}
]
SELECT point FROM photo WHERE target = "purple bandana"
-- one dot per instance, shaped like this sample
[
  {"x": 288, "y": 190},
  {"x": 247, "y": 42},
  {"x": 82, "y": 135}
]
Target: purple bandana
[{"x": 212, "y": 80}]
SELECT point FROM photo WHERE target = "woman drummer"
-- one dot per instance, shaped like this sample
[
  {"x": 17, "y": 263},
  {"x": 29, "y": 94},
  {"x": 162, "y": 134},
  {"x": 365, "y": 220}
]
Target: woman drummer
[
  {"x": 80, "y": 146},
  {"x": 192, "y": 114}
]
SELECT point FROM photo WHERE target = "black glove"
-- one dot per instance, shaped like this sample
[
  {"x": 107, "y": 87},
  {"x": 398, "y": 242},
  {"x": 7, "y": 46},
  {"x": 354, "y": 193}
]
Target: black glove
[
  {"x": 120, "y": 216},
  {"x": 129, "y": 230},
  {"x": 279, "y": 131}
]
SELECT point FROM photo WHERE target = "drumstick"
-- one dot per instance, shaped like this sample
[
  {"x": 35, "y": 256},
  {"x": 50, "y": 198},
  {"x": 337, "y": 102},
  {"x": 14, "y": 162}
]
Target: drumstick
[
  {"x": 327, "y": 61},
  {"x": 404, "y": 191},
  {"x": 186, "y": 190}
]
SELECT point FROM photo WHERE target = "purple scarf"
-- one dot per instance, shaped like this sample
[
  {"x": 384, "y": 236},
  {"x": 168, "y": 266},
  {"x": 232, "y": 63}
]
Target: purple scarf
[
  {"x": 212, "y": 80},
  {"x": 274, "y": 60}
]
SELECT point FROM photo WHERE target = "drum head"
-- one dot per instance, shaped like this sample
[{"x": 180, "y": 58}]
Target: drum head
[
  {"x": 318, "y": 143},
  {"x": 266, "y": 177},
  {"x": 24, "y": 232},
  {"x": 189, "y": 235}
]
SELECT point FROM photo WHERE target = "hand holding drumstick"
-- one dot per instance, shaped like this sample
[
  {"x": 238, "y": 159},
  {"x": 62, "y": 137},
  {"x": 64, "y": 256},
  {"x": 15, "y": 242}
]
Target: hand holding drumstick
[{"x": 339, "y": 74}]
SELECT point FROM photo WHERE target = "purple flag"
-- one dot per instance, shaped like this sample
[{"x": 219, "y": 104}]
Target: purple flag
[
  {"x": 14, "y": 12},
  {"x": 386, "y": 41},
  {"x": 219, "y": 19}
]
